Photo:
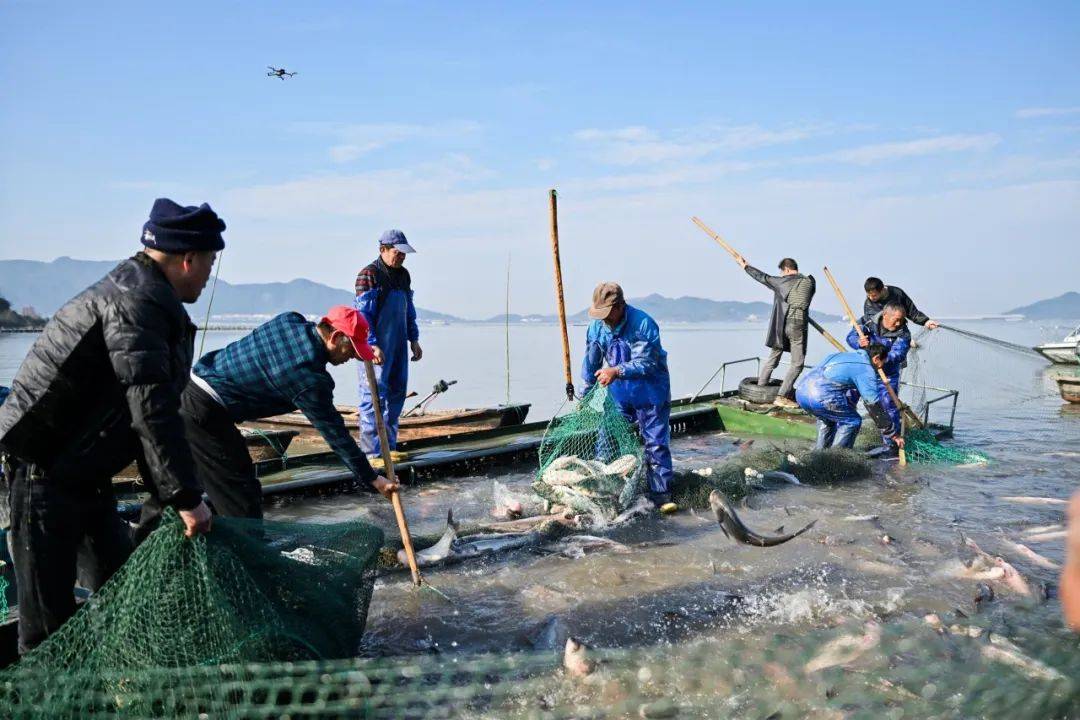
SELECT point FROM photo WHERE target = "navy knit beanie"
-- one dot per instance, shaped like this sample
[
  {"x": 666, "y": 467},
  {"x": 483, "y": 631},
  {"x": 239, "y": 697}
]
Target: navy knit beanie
[{"x": 177, "y": 229}]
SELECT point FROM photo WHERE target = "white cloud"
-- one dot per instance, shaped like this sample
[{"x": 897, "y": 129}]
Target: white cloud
[
  {"x": 1027, "y": 113},
  {"x": 881, "y": 152},
  {"x": 637, "y": 145},
  {"x": 357, "y": 140}
]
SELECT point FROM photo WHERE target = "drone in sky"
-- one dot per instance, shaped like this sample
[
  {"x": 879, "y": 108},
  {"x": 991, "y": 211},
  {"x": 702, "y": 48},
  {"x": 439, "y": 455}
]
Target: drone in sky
[{"x": 279, "y": 73}]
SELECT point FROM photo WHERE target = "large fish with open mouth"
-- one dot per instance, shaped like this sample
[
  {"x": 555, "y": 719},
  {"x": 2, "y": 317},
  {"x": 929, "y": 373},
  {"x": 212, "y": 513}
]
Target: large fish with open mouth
[
  {"x": 734, "y": 527},
  {"x": 450, "y": 548}
]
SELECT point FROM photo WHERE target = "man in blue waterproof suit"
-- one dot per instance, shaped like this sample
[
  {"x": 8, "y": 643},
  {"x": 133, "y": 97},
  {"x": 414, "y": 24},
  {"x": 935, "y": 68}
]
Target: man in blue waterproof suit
[
  {"x": 832, "y": 388},
  {"x": 889, "y": 329},
  {"x": 623, "y": 353},
  {"x": 385, "y": 298}
]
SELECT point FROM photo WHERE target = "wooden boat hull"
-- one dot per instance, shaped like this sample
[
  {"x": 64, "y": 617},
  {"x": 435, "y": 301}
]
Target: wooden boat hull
[
  {"x": 262, "y": 444},
  {"x": 443, "y": 423},
  {"x": 1069, "y": 388}
]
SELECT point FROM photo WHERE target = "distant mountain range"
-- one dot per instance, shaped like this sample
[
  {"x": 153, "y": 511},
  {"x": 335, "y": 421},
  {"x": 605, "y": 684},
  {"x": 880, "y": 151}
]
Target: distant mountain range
[
  {"x": 1063, "y": 307},
  {"x": 46, "y": 286}
]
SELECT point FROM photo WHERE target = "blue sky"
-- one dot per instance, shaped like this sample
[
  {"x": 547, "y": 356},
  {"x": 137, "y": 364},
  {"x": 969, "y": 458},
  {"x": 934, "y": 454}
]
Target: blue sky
[{"x": 936, "y": 145}]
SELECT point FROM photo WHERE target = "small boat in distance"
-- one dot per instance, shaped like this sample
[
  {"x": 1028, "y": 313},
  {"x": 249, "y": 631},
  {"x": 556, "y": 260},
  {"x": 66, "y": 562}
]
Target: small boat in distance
[{"x": 1064, "y": 352}]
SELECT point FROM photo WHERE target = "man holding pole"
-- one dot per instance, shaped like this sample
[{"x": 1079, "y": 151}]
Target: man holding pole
[
  {"x": 831, "y": 390},
  {"x": 280, "y": 367},
  {"x": 623, "y": 353},
  {"x": 792, "y": 293},
  {"x": 887, "y": 328}
]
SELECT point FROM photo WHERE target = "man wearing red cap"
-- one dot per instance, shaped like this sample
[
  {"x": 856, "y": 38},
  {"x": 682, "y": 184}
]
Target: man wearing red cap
[{"x": 280, "y": 367}]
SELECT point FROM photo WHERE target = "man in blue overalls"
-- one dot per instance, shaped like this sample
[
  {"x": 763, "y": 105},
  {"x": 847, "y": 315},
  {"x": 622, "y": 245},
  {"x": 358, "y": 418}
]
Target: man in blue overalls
[
  {"x": 623, "y": 353},
  {"x": 889, "y": 329},
  {"x": 831, "y": 390},
  {"x": 384, "y": 296}
]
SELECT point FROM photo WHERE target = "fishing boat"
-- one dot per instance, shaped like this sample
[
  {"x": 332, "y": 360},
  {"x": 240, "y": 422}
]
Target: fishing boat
[
  {"x": 262, "y": 444},
  {"x": 1069, "y": 386},
  {"x": 1064, "y": 352},
  {"x": 430, "y": 423}
]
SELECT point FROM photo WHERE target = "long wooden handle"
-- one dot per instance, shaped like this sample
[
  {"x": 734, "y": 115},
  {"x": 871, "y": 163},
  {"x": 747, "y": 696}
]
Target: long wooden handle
[
  {"x": 826, "y": 334},
  {"x": 717, "y": 238},
  {"x": 388, "y": 470},
  {"x": 862, "y": 336},
  {"x": 559, "y": 295},
  {"x": 905, "y": 411}
]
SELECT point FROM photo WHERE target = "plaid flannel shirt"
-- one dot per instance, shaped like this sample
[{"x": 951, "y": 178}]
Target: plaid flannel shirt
[{"x": 281, "y": 367}]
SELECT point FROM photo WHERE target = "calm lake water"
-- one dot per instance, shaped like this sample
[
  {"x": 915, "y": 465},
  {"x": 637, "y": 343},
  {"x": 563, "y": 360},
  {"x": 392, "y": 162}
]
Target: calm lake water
[{"x": 682, "y": 567}]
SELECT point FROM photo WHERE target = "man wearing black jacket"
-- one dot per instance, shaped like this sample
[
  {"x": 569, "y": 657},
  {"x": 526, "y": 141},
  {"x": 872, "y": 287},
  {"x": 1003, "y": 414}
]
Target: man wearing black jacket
[
  {"x": 100, "y": 388},
  {"x": 878, "y": 295}
]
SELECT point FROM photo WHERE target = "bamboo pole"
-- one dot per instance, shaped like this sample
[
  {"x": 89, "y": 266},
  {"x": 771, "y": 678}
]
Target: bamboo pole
[
  {"x": 507, "y": 327},
  {"x": 881, "y": 373},
  {"x": 734, "y": 253},
  {"x": 388, "y": 470},
  {"x": 559, "y": 295},
  {"x": 826, "y": 334}
]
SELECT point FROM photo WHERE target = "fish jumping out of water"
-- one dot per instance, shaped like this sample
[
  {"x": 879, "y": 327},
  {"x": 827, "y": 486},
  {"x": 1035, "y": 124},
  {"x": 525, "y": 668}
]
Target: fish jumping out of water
[
  {"x": 734, "y": 527},
  {"x": 451, "y": 548},
  {"x": 577, "y": 546},
  {"x": 576, "y": 660}
]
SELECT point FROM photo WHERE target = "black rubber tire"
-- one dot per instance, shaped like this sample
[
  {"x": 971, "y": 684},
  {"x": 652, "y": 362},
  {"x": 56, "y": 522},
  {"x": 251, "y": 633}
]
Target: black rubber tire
[{"x": 750, "y": 391}]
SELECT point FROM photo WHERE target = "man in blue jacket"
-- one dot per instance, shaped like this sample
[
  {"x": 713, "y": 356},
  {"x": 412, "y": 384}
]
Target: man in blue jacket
[
  {"x": 623, "y": 353},
  {"x": 887, "y": 328},
  {"x": 384, "y": 296},
  {"x": 831, "y": 390}
]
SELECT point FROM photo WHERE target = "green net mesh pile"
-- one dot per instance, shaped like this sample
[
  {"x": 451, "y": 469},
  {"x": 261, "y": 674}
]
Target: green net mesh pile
[
  {"x": 180, "y": 609},
  {"x": 922, "y": 447},
  {"x": 899, "y": 669},
  {"x": 742, "y": 473},
  {"x": 591, "y": 459}
]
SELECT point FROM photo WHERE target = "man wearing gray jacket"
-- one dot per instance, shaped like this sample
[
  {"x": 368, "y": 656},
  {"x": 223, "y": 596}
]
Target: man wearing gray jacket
[{"x": 792, "y": 293}]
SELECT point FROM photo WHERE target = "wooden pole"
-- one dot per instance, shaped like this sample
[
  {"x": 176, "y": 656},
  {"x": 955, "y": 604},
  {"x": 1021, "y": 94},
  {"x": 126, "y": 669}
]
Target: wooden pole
[
  {"x": 388, "y": 471},
  {"x": 826, "y": 334},
  {"x": 559, "y": 295},
  {"x": 881, "y": 373},
  {"x": 507, "y": 327},
  {"x": 717, "y": 238}
]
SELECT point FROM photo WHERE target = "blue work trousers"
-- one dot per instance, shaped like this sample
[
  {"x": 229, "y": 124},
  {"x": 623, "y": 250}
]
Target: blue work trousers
[
  {"x": 391, "y": 333},
  {"x": 654, "y": 426},
  {"x": 889, "y": 405},
  {"x": 834, "y": 407}
]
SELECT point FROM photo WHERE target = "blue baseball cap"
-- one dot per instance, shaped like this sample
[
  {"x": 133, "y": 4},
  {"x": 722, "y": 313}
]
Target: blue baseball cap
[{"x": 396, "y": 238}]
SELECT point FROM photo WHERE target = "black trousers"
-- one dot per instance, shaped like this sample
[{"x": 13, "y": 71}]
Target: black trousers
[
  {"x": 222, "y": 460},
  {"x": 62, "y": 530},
  {"x": 222, "y": 463}
]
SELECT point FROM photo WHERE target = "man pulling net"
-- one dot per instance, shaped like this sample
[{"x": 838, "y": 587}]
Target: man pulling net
[{"x": 830, "y": 392}]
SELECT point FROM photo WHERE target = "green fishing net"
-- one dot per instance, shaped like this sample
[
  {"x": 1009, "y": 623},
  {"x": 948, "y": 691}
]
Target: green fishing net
[
  {"x": 921, "y": 446},
  {"x": 248, "y": 592},
  {"x": 898, "y": 669},
  {"x": 741, "y": 473},
  {"x": 591, "y": 458}
]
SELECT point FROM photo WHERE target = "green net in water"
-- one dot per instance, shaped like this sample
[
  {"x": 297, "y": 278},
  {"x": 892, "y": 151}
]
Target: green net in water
[
  {"x": 591, "y": 459},
  {"x": 181, "y": 609},
  {"x": 921, "y": 446},
  {"x": 741, "y": 473}
]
